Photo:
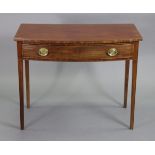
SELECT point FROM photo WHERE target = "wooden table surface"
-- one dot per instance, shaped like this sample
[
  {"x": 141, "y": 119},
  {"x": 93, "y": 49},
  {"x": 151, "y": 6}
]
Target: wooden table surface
[{"x": 69, "y": 33}]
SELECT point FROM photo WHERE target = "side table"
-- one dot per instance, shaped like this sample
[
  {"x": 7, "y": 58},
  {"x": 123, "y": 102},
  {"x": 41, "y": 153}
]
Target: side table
[{"x": 77, "y": 43}]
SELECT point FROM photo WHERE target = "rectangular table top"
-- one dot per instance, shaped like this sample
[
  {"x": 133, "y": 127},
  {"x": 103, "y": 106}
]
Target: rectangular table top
[{"x": 78, "y": 33}]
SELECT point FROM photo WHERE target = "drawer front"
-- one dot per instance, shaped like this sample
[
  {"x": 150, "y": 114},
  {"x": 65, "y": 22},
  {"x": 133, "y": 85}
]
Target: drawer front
[{"x": 78, "y": 53}]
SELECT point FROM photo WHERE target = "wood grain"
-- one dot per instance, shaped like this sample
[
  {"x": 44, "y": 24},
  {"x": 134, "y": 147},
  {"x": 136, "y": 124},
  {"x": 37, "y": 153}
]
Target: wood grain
[
  {"x": 21, "y": 84},
  {"x": 27, "y": 83},
  {"x": 133, "y": 89},
  {"x": 77, "y": 33},
  {"x": 127, "y": 64},
  {"x": 77, "y": 53}
]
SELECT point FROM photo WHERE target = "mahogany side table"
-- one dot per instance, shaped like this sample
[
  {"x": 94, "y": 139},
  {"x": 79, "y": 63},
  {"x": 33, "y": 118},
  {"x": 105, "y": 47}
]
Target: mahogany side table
[{"x": 77, "y": 43}]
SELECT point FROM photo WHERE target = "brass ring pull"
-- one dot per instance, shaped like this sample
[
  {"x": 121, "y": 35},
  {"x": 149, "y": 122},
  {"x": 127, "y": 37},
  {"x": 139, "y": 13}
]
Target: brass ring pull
[
  {"x": 43, "y": 52},
  {"x": 112, "y": 52}
]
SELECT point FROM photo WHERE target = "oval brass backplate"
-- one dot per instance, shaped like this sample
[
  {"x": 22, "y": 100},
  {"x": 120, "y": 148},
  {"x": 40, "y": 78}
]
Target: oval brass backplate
[
  {"x": 43, "y": 52},
  {"x": 112, "y": 52}
]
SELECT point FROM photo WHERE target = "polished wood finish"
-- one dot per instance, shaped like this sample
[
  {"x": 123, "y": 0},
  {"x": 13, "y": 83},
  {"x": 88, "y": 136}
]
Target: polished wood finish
[
  {"x": 27, "y": 83},
  {"x": 21, "y": 84},
  {"x": 127, "y": 64},
  {"x": 77, "y": 43},
  {"x": 77, "y": 33},
  {"x": 78, "y": 53},
  {"x": 133, "y": 89}
]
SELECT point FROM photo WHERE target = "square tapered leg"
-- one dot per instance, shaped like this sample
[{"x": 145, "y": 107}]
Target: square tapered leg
[
  {"x": 27, "y": 83},
  {"x": 21, "y": 84},
  {"x": 133, "y": 88},
  {"x": 127, "y": 64}
]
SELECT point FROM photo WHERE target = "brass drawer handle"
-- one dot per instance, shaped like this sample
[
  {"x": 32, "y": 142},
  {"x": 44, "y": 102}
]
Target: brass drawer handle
[
  {"x": 112, "y": 52},
  {"x": 43, "y": 52}
]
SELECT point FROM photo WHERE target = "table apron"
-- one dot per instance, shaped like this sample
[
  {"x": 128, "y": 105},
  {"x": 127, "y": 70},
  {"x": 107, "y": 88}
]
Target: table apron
[{"x": 77, "y": 53}]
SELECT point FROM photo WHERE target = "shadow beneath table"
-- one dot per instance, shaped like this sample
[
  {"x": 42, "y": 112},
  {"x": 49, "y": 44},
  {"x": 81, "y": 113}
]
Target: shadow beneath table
[
  {"x": 85, "y": 68},
  {"x": 68, "y": 112},
  {"x": 7, "y": 124}
]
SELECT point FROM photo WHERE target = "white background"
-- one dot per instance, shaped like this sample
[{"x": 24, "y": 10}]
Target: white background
[{"x": 77, "y": 6}]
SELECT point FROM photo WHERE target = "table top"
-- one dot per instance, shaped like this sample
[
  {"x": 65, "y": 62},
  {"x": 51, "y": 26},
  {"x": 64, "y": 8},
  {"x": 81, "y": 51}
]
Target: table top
[{"x": 78, "y": 33}]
